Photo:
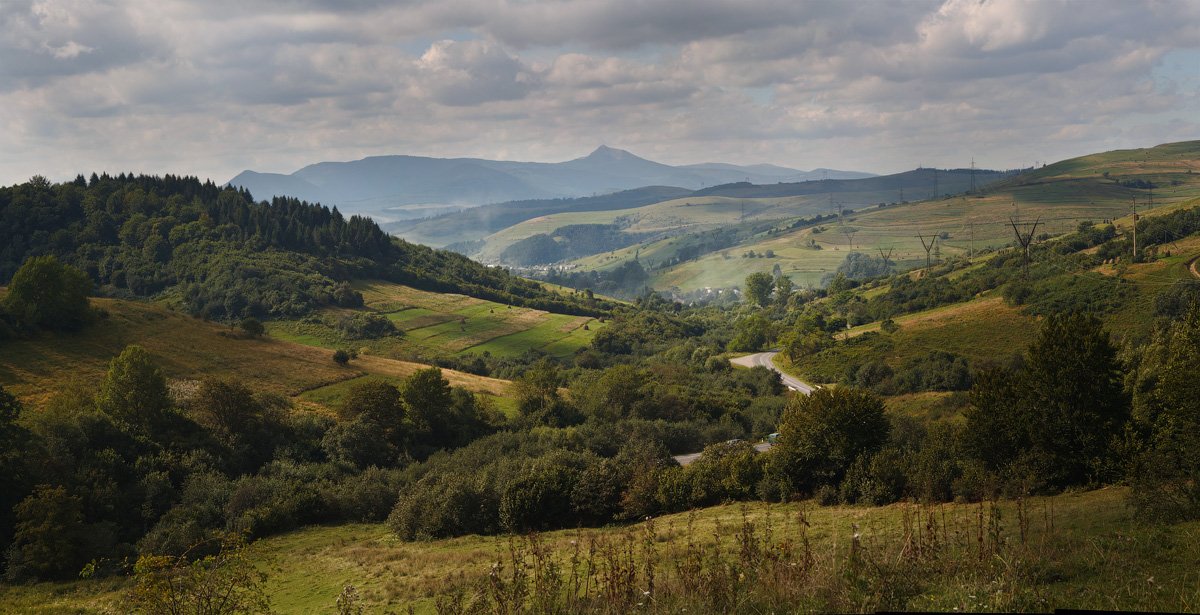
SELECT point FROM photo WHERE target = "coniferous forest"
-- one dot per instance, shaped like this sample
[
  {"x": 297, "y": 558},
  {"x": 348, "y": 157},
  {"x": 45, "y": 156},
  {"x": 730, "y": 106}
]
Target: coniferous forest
[{"x": 219, "y": 254}]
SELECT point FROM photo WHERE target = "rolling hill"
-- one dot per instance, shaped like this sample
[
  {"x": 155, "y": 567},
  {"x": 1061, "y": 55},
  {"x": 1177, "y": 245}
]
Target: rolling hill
[
  {"x": 397, "y": 187},
  {"x": 725, "y": 205},
  {"x": 33, "y": 368},
  {"x": 1095, "y": 187}
]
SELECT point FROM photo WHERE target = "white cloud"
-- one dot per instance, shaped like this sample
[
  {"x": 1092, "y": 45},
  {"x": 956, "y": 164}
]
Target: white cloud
[{"x": 211, "y": 88}]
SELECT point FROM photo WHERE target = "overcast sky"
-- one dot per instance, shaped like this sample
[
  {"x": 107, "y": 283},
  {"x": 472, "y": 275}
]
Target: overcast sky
[{"x": 212, "y": 87}]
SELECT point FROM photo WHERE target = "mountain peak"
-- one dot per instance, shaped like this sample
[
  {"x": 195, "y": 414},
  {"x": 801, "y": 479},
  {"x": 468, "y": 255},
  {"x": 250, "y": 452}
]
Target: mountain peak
[{"x": 605, "y": 152}]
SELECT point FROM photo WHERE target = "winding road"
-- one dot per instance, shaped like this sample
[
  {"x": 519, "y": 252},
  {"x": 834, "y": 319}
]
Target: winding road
[{"x": 765, "y": 359}]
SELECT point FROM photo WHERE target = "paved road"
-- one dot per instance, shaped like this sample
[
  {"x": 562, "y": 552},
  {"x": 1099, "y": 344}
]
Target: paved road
[
  {"x": 765, "y": 359},
  {"x": 683, "y": 460}
]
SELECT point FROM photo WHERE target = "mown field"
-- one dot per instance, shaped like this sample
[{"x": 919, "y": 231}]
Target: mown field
[
  {"x": 1082, "y": 550},
  {"x": 438, "y": 325},
  {"x": 188, "y": 348}
]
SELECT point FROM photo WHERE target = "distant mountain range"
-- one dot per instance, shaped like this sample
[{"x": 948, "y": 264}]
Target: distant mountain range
[{"x": 398, "y": 187}]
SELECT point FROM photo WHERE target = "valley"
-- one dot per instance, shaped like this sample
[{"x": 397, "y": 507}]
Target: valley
[{"x": 296, "y": 409}]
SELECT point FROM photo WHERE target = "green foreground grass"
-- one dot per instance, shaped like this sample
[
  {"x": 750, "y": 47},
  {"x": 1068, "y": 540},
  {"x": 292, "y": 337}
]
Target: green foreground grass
[{"x": 1078, "y": 550}]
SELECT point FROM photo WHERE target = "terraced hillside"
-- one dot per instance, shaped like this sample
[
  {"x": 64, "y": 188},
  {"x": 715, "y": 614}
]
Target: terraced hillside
[
  {"x": 439, "y": 325},
  {"x": 36, "y": 367}
]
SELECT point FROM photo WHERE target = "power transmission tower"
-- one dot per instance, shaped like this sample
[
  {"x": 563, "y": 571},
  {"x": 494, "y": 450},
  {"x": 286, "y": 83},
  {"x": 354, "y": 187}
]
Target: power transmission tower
[
  {"x": 849, "y": 232},
  {"x": 935, "y": 183},
  {"x": 1025, "y": 240},
  {"x": 972, "y": 175},
  {"x": 928, "y": 246},
  {"x": 887, "y": 258}
]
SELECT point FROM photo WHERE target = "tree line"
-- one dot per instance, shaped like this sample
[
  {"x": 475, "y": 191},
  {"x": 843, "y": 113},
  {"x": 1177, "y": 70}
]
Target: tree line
[{"x": 220, "y": 254}]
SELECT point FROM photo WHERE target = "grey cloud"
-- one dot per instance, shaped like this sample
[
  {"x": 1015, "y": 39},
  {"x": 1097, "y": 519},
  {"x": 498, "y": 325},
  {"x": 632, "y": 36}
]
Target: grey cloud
[
  {"x": 277, "y": 84},
  {"x": 472, "y": 72},
  {"x": 43, "y": 40}
]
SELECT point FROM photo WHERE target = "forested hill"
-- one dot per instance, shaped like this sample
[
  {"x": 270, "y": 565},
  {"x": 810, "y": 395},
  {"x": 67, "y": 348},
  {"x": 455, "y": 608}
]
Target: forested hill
[{"x": 220, "y": 254}]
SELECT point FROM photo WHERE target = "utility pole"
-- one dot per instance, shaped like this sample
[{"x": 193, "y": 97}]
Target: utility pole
[
  {"x": 928, "y": 246},
  {"x": 1133, "y": 208},
  {"x": 971, "y": 235},
  {"x": 1025, "y": 240}
]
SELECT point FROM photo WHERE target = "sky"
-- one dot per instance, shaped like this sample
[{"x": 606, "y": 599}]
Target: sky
[{"x": 212, "y": 87}]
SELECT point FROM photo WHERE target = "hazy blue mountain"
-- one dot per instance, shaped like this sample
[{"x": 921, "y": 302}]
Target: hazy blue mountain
[
  {"x": 769, "y": 173},
  {"x": 396, "y": 187}
]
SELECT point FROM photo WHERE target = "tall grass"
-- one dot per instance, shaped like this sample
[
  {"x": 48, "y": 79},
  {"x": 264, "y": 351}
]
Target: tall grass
[{"x": 988, "y": 557}]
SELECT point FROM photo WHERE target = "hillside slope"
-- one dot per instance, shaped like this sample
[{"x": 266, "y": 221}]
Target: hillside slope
[
  {"x": 724, "y": 205},
  {"x": 1060, "y": 196},
  {"x": 35, "y": 367},
  {"x": 218, "y": 253}
]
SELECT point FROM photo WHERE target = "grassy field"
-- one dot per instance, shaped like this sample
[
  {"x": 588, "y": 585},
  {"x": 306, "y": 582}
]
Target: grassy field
[
  {"x": 1078, "y": 550},
  {"x": 187, "y": 348},
  {"x": 986, "y": 328},
  {"x": 974, "y": 329},
  {"x": 438, "y": 324},
  {"x": 1061, "y": 195},
  {"x": 706, "y": 212}
]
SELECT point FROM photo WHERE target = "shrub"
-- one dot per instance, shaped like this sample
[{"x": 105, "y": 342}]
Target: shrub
[
  {"x": 225, "y": 582},
  {"x": 539, "y": 498},
  {"x": 51, "y": 539},
  {"x": 252, "y": 326},
  {"x": 360, "y": 443},
  {"x": 46, "y": 293},
  {"x": 821, "y": 435},
  {"x": 359, "y": 326}
]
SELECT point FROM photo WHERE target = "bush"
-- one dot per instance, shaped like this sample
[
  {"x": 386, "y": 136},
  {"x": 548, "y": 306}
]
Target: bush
[
  {"x": 936, "y": 371},
  {"x": 48, "y": 294},
  {"x": 197, "y": 519},
  {"x": 360, "y": 443},
  {"x": 224, "y": 582},
  {"x": 877, "y": 479},
  {"x": 445, "y": 505},
  {"x": 51, "y": 539},
  {"x": 360, "y": 326},
  {"x": 822, "y": 434},
  {"x": 252, "y": 326},
  {"x": 539, "y": 498}
]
